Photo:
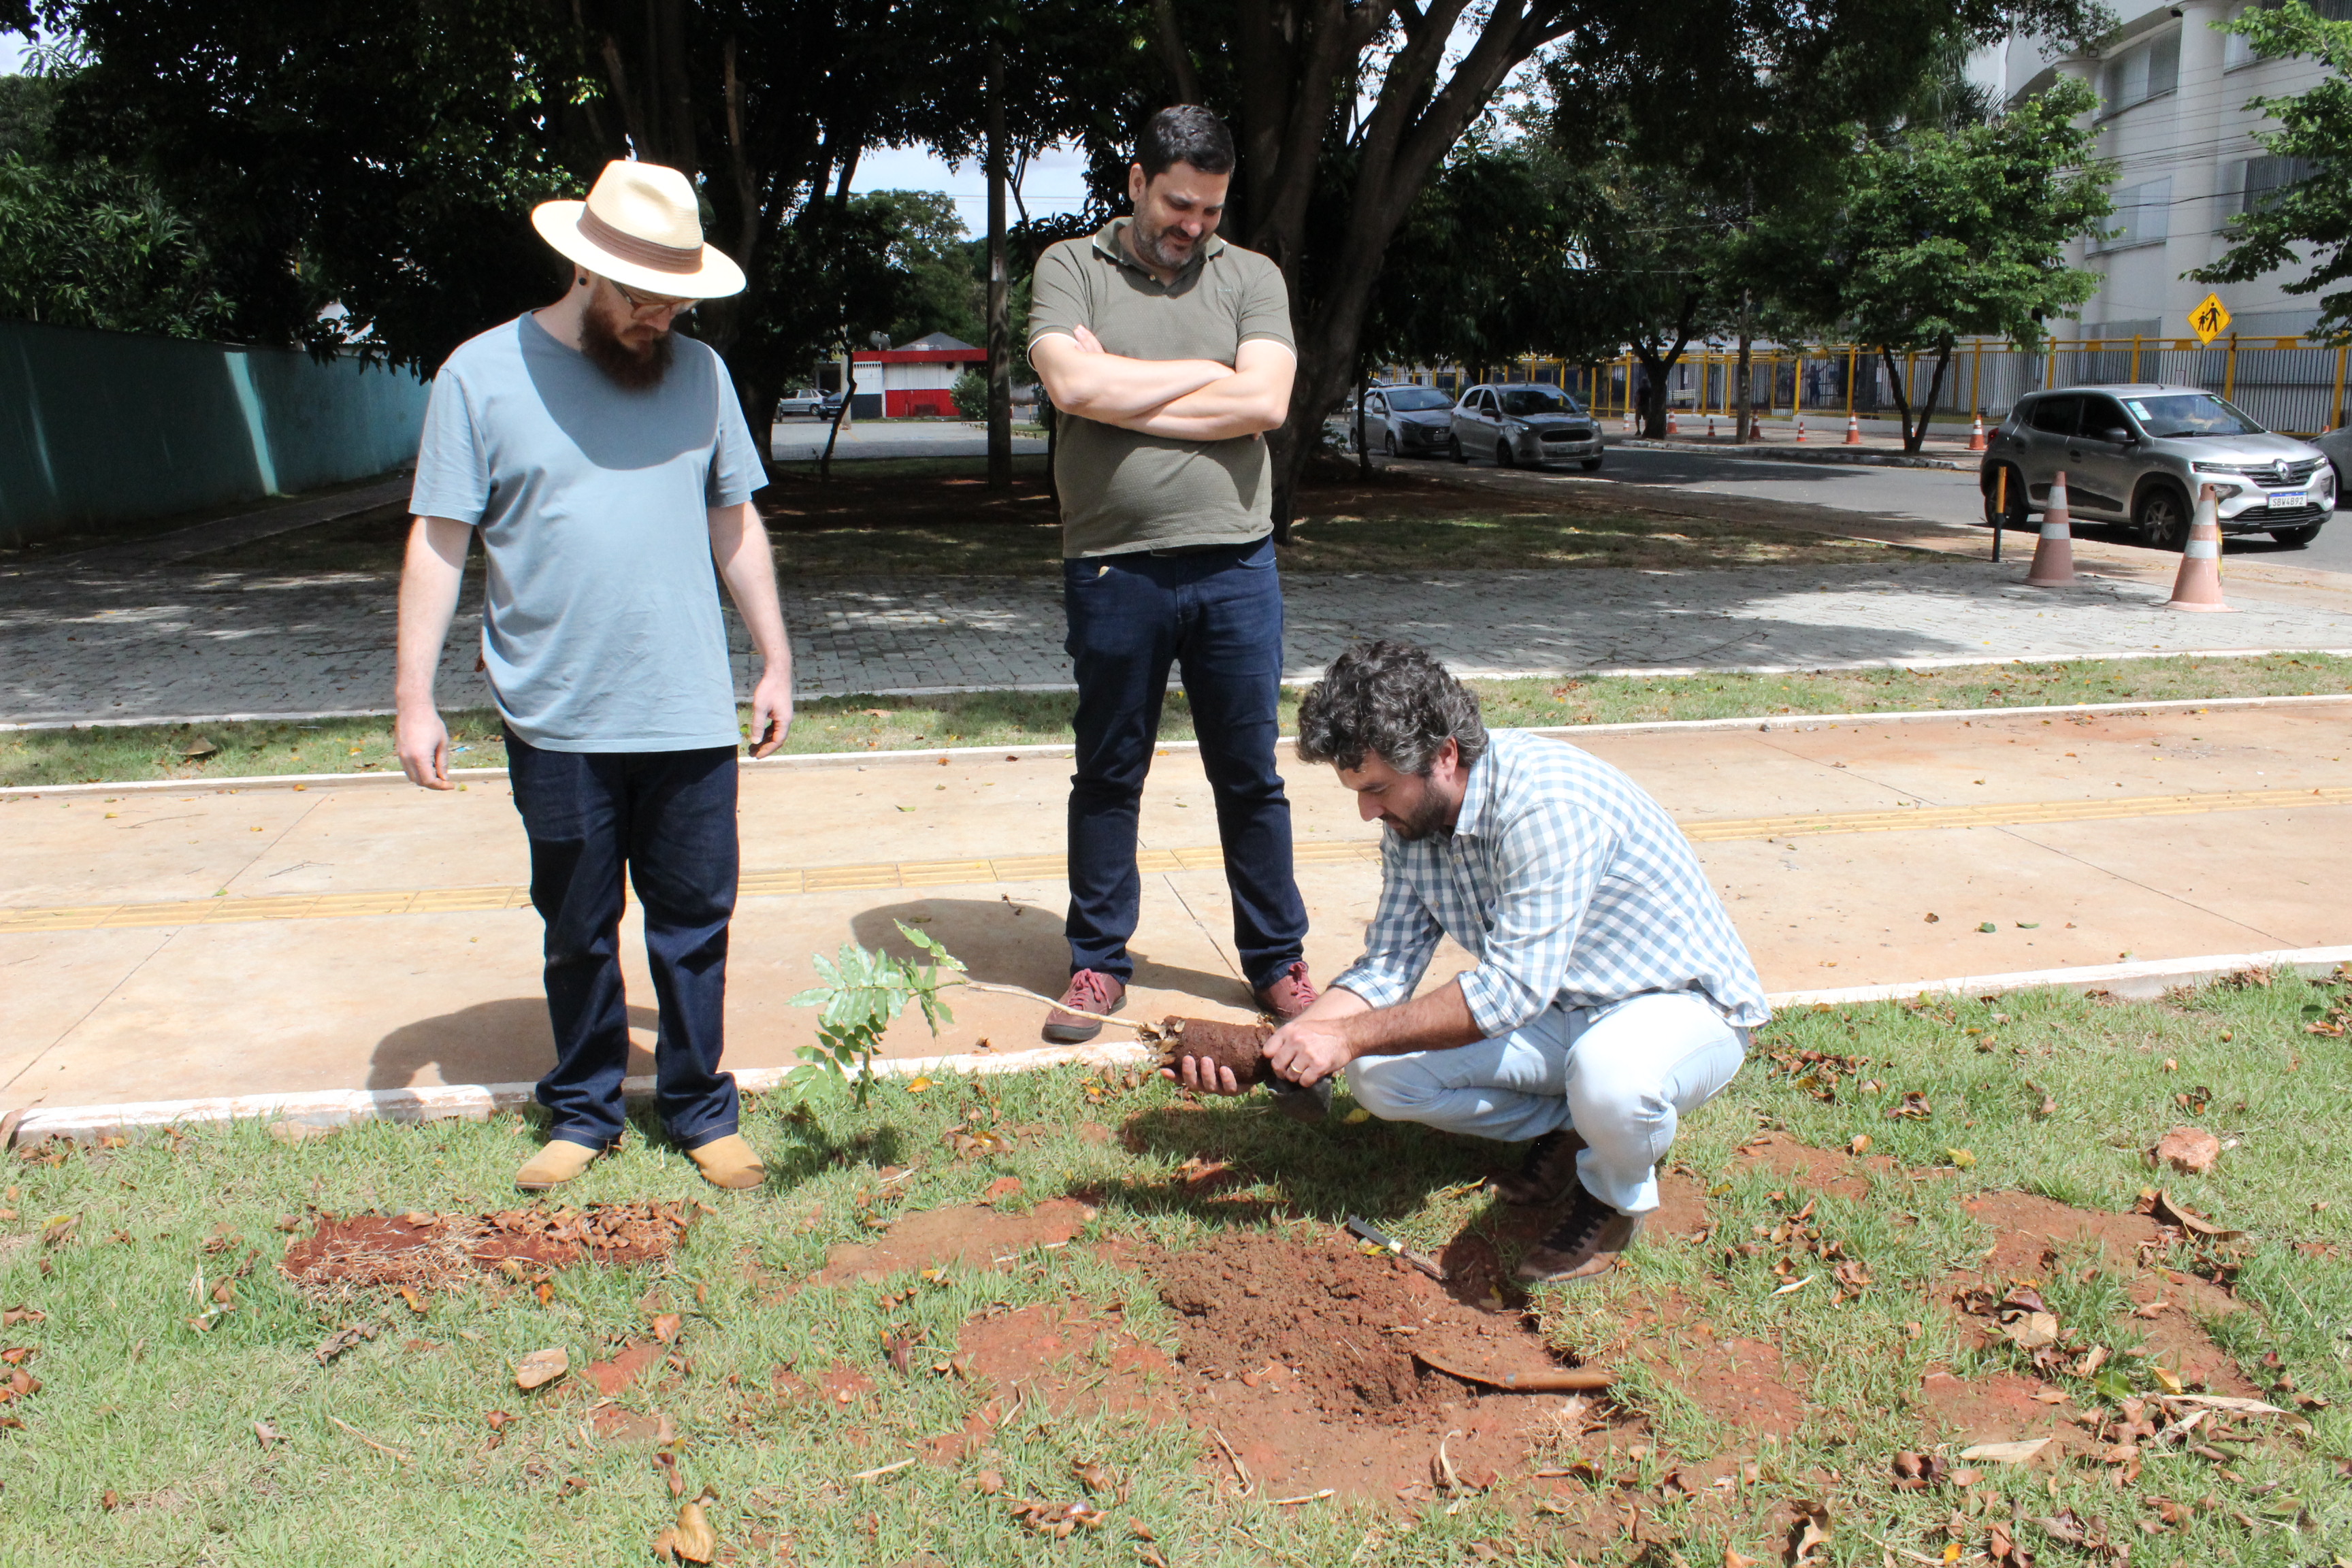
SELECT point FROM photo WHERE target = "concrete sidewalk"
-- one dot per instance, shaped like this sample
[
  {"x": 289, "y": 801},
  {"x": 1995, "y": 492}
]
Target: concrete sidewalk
[
  {"x": 167, "y": 945},
  {"x": 166, "y": 647}
]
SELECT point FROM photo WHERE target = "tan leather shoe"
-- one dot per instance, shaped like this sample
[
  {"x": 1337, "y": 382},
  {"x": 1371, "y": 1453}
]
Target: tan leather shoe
[
  {"x": 730, "y": 1163},
  {"x": 555, "y": 1164}
]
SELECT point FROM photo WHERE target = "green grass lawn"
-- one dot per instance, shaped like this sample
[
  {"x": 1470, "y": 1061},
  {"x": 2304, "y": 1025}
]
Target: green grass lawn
[
  {"x": 141, "y": 1444},
  {"x": 834, "y": 724}
]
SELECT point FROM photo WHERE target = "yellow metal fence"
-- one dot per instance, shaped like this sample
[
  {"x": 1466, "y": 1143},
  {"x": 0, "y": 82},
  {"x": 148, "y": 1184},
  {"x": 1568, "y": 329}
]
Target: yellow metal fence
[{"x": 2296, "y": 385}]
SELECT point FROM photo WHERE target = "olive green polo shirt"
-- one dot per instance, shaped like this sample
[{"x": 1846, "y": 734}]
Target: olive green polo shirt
[{"x": 1122, "y": 490}]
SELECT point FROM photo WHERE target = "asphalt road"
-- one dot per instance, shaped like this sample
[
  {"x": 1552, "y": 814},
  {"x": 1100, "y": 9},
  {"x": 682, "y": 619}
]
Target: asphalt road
[{"x": 1928, "y": 495}]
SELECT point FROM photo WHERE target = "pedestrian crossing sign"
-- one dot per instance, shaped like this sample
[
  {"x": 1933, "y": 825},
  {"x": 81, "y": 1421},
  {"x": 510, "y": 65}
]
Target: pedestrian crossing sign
[{"x": 2210, "y": 320}]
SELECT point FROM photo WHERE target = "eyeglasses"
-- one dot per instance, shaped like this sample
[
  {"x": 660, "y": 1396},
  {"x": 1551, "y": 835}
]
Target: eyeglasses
[{"x": 650, "y": 304}]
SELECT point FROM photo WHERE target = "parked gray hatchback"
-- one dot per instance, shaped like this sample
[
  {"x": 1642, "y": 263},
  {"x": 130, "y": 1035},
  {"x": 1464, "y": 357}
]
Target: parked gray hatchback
[{"x": 2138, "y": 454}]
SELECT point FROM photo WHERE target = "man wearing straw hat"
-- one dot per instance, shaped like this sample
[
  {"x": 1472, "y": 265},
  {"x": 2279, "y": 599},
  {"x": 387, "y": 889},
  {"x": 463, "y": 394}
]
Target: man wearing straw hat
[{"x": 604, "y": 462}]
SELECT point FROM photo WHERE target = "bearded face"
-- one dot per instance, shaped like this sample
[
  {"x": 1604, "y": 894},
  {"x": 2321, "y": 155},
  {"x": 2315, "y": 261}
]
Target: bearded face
[{"x": 634, "y": 352}]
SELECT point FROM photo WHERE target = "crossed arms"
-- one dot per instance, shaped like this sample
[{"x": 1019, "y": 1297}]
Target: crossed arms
[{"x": 1182, "y": 399}]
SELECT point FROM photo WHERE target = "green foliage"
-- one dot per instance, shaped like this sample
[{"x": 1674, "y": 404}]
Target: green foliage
[
  {"x": 943, "y": 290},
  {"x": 971, "y": 395},
  {"x": 1950, "y": 234},
  {"x": 88, "y": 245},
  {"x": 2313, "y": 219},
  {"x": 863, "y": 992}
]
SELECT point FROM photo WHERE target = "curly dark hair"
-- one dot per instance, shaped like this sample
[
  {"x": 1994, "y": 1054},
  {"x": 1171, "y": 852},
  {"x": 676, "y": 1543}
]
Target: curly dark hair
[{"x": 1392, "y": 701}]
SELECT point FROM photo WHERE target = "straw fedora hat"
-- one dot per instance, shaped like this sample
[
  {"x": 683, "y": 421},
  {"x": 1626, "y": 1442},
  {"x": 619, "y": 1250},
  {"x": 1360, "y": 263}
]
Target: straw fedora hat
[{"x": 641, "y": 227}]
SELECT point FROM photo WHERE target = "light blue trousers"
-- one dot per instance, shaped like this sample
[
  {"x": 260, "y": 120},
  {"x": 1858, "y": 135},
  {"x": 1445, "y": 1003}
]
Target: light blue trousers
[{"x": 1623, "y": 1076}]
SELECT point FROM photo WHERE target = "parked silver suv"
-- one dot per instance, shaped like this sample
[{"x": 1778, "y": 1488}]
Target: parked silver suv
[{"x": 2138, "y": 454}]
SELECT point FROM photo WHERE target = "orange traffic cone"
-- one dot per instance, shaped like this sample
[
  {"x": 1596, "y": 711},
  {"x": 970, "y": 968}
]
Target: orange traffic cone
[
  {"x": 1977, "y": 437},
  {"x": 1801, "y": 427},
  {"x": 2053, "y": 553},
  {"x": 1853, "y": 431},
  {"x": 1629, "y": 420},
  {"x": 2199, "y": 586},
  {"x": 1710, "y": 426},
  {"x": 1673, "y": 428}
]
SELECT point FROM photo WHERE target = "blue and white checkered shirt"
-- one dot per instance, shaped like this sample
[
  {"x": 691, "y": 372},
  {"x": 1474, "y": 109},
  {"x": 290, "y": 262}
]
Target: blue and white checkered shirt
[{"x": 1569, "y": 885}]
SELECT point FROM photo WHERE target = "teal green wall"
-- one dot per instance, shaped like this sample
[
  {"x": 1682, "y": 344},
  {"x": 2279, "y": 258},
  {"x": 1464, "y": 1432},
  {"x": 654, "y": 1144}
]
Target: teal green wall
[{"x": 99, "y": 427}]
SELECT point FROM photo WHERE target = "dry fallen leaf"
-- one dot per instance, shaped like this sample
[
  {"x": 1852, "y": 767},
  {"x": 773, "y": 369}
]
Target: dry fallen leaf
[
  {"x": 2192, "y": 1150},
  {"x": 343, "y": 1340},
  {"x": 2006, "y": 1453},
  {"x": 917, "y": 1084},
  {"x": 2031, "y": 1330},
  {"x": 1810, "y": 1533},
  {"x": 694, "y": 1539},
  {"x": 541, "y": 1368},
  {"x": 1732, "y": 1559},
  {"x": 666, "y": 1327}
]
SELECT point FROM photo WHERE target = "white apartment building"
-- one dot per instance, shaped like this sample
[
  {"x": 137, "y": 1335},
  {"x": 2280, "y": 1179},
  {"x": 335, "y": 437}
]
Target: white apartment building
[{"x": 2172, "y": 115}]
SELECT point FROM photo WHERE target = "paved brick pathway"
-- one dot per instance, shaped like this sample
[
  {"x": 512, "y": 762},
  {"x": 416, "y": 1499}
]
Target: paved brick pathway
[{"x": 165, "y": 641}]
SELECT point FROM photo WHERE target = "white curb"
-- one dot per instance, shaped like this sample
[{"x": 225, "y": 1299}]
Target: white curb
[
  {"x": 479, "y": 1102},
  {"x": 2148, "y": 978},
  {"x": 1051, "y": 749}
]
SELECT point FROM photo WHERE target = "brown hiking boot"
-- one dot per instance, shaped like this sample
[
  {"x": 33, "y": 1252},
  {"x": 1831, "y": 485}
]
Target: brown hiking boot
[
  {"x": 1590, "y": 1241},
  {"x": 1288, "y": 994},
  {"x": 1091, "y": 991},
  {"x": 1545, "y": 1172}
]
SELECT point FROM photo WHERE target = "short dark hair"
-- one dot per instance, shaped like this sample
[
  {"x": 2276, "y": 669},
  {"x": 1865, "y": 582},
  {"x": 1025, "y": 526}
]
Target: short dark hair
[
  {"x": 1392, "y": 701},
  {"x": 1186, "y": 133}
]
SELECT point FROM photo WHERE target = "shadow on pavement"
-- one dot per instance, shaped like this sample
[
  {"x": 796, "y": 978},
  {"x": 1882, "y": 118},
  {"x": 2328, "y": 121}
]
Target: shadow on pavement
[
  {"x": 506, "y": 1041},
  {"x": 1007, "y": 944}
]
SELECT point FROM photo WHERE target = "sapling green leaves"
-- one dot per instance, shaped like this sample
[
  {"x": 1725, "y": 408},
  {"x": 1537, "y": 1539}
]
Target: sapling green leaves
[{"x": 862, "y": 991}]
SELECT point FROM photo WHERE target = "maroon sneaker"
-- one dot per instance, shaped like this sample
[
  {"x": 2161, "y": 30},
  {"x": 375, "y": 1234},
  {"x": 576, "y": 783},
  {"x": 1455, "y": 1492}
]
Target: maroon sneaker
[
  {"x": 1091, "y": 991},
  {"x": 1289, "y": 995}
]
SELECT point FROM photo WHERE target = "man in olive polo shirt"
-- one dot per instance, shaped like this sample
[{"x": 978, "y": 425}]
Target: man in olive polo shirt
[{"x": 1167, "y": 356}]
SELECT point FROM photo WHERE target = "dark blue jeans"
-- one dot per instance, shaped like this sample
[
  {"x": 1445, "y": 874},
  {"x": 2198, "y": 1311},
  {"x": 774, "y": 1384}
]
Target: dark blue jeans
[
  {"x": 1217, "y": 615},
  {"x": 669, "y": 818}
]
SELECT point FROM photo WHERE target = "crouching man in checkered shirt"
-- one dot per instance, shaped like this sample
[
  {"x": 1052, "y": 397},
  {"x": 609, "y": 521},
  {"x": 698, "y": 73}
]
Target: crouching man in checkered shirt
[{"x": 1611, "y": 997}]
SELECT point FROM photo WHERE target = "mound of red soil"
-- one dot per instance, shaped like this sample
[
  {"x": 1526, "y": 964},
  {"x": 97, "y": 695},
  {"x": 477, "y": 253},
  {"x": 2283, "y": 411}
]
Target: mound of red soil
[
  {"x": 438, "y": 1252},
  {"x": 966, "y": 1236},
  {"x": 1296, "y": 1354},
  {"x": 1343, "y": 1326}
]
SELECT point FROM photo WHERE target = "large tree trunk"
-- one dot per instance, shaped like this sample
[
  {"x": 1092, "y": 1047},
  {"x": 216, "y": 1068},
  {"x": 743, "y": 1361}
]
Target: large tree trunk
[
  {"x": 1293, "y": 64},
  {"x": 1902, "y": 397},
  {"x": 1000, "y": 341},
  {"x": 1915, "y": 439},
  {"x": 1743, "y": 427}
]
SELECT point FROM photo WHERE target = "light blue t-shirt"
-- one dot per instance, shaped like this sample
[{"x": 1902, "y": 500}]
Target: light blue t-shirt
[{"x": 601, "y": 627}]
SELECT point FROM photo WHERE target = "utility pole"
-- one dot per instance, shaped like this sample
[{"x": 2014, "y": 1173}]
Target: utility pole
[{"x": 1000, "y": 337}]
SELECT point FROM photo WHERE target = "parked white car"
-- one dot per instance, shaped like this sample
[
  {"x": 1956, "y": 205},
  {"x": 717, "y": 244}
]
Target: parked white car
[{"x": 808, "y": 402}]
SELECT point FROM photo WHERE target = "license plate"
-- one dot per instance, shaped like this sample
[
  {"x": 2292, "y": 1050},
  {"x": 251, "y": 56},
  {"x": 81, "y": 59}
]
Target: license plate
[{"x": 2283, "y": 501}]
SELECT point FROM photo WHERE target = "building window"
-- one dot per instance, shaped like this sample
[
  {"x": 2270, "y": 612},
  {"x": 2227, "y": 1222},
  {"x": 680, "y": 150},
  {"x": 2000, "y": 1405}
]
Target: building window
[
  {"x": 2143, "y": 216},
  {"x": 2150, "y": 70},
  {"x": 2263, "y": 180}
]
